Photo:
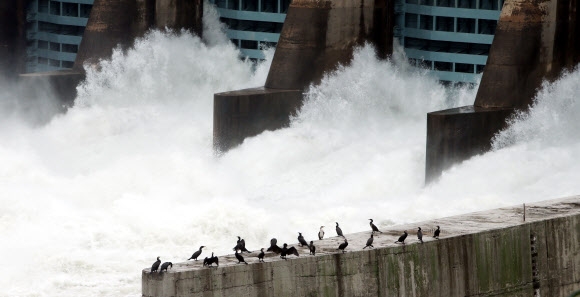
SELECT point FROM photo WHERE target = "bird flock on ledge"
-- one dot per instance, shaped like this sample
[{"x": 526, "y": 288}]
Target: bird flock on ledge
[{"x": 285, "y": 251}]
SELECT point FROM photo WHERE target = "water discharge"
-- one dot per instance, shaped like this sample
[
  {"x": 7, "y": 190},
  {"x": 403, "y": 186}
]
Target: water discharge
[{"x": 91, "y": 196}]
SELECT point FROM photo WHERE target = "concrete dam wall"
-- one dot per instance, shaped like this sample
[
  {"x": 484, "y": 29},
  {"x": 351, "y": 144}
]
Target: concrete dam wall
[{"x": 490, "y": 253}]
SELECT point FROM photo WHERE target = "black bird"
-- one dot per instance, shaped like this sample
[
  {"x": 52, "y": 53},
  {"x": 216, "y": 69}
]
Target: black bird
[
  {"x": 287, "y": 251},
  {"x": 196, "y": 254},
  {"x": 261, "y": 255},
  {"x": 402, "y": 238},
  {"x": 343, "y": 245},
  {"x": 301, "y": 240},
  {"x": 312, "y": 248},
  {"x": 241, "y": 245},
  {"x": 338, "y": 230},
  {"x": 209, "y": 261},
  {"x": 436, "y": 234},
  {"x": 155, "y": 265},
  {"x": 240, "y": 258},
  {"x": 321, "y": 233},
  {"x": 369, "y": 242},
  {"x": 374, "y": 228},
  {"x": 165, "y": 265},
  {"x": 420, "y": 235},
  {"x": 274, "y": 247}
]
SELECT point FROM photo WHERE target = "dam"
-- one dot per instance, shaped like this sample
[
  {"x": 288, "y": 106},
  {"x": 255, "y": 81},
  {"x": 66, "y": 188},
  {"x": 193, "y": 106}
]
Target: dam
[{"x": 512, "y": 251}]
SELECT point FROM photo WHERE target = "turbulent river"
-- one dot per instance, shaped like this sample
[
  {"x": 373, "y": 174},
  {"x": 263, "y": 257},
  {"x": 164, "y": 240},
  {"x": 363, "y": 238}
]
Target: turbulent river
[{"x": 91, "y": 196}]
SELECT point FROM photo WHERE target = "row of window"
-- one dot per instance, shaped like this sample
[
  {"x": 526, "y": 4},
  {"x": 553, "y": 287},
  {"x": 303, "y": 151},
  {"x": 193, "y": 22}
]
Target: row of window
[
  {"x": 473, "y": 4},
  {"x": 253, "y": 44},
  {"x": 450, "y": 24},
  {"x": 272, "y": 6},
  {"x": 58, "y": 47},
  {"x": 253, "y": 26},
  {"x": 55, "y": 63},
  {"x": 61, "y": 29},
  {"x": 447, "y": 47},
  {"x": 448, "y": 66},
  {"x": 64, "y": 8}
]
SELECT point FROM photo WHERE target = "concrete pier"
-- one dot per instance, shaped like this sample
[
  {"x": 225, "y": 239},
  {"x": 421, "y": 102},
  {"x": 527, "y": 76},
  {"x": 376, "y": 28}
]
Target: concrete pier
[{"x": 489, "y": 253}]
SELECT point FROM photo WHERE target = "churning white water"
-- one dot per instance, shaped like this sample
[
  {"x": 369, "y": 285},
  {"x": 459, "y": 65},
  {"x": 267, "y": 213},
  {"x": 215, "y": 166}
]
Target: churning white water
[{"x": 90, "y": 197}]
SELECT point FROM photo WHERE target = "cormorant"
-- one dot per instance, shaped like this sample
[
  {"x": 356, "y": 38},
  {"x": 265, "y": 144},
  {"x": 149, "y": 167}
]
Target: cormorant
[
  {"x": 369, "y": 242},
  {"x": 165, "y": 265},
  {"x": 209, "y": 261},
  {"x": 312, "y": 248},
  {"x": 261, "y": 255},
  {"x": 321, "y": 233},
  {"x": 240, "y": 258},
  {"x": 155, "y": 265},
  {"x": 338, "y": 230},
  {"x": 343, "y": 245},
  {"x": 241, "y": 245},
  {"x": 196, "y": 254},
  {"x": 373, "y": 227},
  {"x": 274, "y": 247},
  {"x": 420, "y": 235},
  {"x": 402, "y": 238},
  {"x": 301, "y": 240},
  {"x": 287, "y": 251},
  {"x": 436, "y": 234}
]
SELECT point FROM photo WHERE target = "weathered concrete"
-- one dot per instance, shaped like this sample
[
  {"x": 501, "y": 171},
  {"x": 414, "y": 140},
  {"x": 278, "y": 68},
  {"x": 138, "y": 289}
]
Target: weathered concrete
[
  {"x": 61, "y": 83},
  {"x": 534, "y": 41},
  {"x": 489, "y": 253},
  {"x": 245, "y": 113},
  {"x": 185, "y": 14},
  {"x": 317, "y": 36}
]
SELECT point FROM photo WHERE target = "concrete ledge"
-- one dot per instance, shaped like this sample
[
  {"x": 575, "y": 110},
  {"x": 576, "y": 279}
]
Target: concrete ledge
[
  {"x": 457, "y": 134},
  {"x": 63, "y": 84},
  {"x": 490, "y": 253},
  {"x": 249, "y": 112}
]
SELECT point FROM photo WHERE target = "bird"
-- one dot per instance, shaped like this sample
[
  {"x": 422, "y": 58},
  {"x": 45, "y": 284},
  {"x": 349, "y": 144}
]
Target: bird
[
  {"x": 321, "y": 233},
  {"x": 165, "y": 265},
  {"x": 274, "y": 247},
  {"x": 436, "y": 233},
  {"x": 402, "y": 238},
  {"x": 209, "y": 261},
  {"x": 312, "y": 248},
  {"x": 343, "y": 245},
  {"x": 155, "y": 265},
  {"x": 420, "y": 235},
  {"x": 373, "y": 227},
  {"x": 338, "y": 230},
  {"x": 302, "y": 240},
  {"x": 240, "y": 258},
  {"x": 196, "y": 254},
  {"x": 241, "y": 245},
  {"x": 369, "y": 242},
  {"x": 261, "y": 255},
  {"x": 287, "y": 251}
]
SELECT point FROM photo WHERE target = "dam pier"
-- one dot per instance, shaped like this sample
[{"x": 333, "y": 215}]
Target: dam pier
[{"x": 488, "y": 253}]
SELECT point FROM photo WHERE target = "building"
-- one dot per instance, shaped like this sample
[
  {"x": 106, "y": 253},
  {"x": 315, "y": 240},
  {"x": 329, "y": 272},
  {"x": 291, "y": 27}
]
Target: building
[
  {"x": 54, "y": 33},
  {"x": 450, "y": 37}
]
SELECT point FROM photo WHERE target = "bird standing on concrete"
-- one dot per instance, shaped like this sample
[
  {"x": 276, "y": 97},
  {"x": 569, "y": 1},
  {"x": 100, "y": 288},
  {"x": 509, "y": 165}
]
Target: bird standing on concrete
[
  {"x": 373, "y": 227},
  {"x": 155, "y": 265},
  {"x": 241, "y": 245},
  {"x": 274, "y": 247},
  {"x": 321, "y": 233},
  {"x": 369, "y": 242},
  {"x": 302, "y": 240},
  {"x": 196, "y": 254},
  {"x": 240, "y": 258},
  {"x": 420, "y": 235},
  {"x": 343, "y": 246},
  {"x": 402, "y": 238},
  {"x": 287, "y": 251},
  {"x": 261, "y": 255},
  {"x": 436, "y": 233},
  {"x": 338, "y": 230},
  {"x": 165, "y": 265},
  {"x": 312, "y": 248}
]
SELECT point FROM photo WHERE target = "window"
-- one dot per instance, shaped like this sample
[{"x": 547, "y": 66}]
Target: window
[
  {"x": 42, "y": 44},
  {"x": 412, "y": 1},
  {"x": 465, "y": 25},
  {"x": 466, "y": 4},
  {"x": 249, "y": 5},
  {"x": 43, "y": 6},
  {"x": 479, "y": 68},
  {"x": 265, "y": 44},
  {"x": 270, "y": 6},
  {"x": 427, "y": 2},
  {"x": 249, "y": 44},
  {"x": 67, "y": 64},
  {"x": 55, "y": 47},
  {"x": 487, "y": 27},
  {"x": 464, "y": 68},
  {"x": 55, "y": 7},
  {"x": 42, "y": 61},
  {"x": 54, "y": 63},
  {"x": 445, "y": 24},
  {"x": 85, "y": 10},
  {"x": 446, "y": 3},
  {"x": 443, "y": 66},
  {"x": 70, "y": 9},
  {"x": 426, "y": 22},
  {"x": 411, "y": 20},
  {"x": 70, "y": 48}
]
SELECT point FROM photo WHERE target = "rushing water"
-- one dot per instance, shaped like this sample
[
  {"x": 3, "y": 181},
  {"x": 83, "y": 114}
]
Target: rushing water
[{"x": 91, "y": 196}]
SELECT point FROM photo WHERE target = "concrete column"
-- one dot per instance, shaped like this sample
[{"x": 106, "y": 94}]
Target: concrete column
[{"x": 179, "y": 14}]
